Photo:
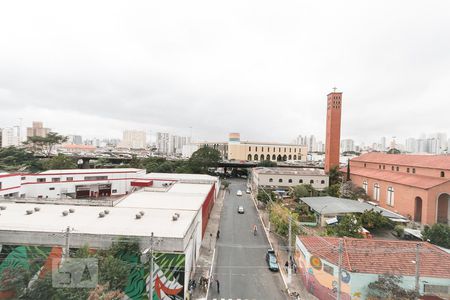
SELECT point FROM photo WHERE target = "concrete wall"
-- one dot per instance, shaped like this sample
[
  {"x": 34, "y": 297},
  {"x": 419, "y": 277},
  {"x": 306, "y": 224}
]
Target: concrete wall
[
  {"x": 242, "y": 151},
  {"x": 264, "y": 180}
]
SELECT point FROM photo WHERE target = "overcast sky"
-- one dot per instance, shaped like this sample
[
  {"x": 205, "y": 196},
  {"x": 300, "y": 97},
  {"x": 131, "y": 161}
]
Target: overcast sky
[{"x": 261, "y": 68}]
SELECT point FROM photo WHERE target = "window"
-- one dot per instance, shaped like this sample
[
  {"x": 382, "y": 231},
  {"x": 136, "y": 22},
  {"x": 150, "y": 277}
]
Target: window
[
  {"x": 51, "y": 189},
  {"x": 270, "y": 179},
  {"x": 322, "y": 181},
  {"x": 279, "y": 149},
  {"x": 284, "y": 149},
  {"x": 0, "y": 185},
  {"x": 379, "y": 166},
  {"x": 392, "y": 167},
  {"x": 414, "y": 171},
  {"x": 407, "y": 170},
  {"x": 95, "y": 177},
  {"x": 256, "y": 149},
  {"x": 442, "y": 174},
  {"x": 249, "y": 148},
  {"x": 328, "y": 269},
  {"x": 41, "y": 180},
  {"x": 311, "y": 181},
  {"x": 280, "y": 180},
  {"x": 365, "y": 185},
  {"x": 384, "y": 167},
  {"x": 390, "y": 196},
  {"x": 56, "y": 179},
  {"x": 300, "y": 181},
  {"x": 398, "y": 169},
  {"x": 290, "y": 180},
  {"x": 69, "y": 178},
  {"x": 365, "y": 165},
  {"x": 290, "y": 149},
  {"x": 295, "y": 150},
  {"x": 23, "y": 178},
  {"x": 376, "y": 192},
  {"x": 114, "y": 191}
]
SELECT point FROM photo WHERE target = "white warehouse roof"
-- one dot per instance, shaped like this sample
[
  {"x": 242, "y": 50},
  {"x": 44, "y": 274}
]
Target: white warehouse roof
[
  {"x": 83, "y": 171},
  {"x": 86, "y": 220},
  {"x": 180, "y": 176}
]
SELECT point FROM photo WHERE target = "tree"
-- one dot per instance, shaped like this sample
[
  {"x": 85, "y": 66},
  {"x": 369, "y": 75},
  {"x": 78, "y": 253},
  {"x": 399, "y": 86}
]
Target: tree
[
  {"x": 60, "y": 162},
  {"x": 266, "y": 196},
  {"x": 351, "y": 191},
  {"x": 393, "y": 151},
  {"x": 18, "y": 159},
  {"x": 303, "y": 190},
  {"x": 279, "y": 218},
  {"x": 438, "y": 234},
  {"x": 371, "y": 219},
  {"x": 333, "y": 190},
  {"x": 335, "y": 175},
  {"x": 348, "y": 225},
  {"x": 46, "y": 144},
  {"x": 113, "y": 272},
  {"x": 267, "y": 163},
  {"x": 387, "y": 287},
  {"x": 204, "y": 158}
]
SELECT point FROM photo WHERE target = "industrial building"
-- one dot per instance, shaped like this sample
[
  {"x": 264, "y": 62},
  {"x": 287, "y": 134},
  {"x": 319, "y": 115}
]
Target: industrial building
[{"x": 174, "y": 207}]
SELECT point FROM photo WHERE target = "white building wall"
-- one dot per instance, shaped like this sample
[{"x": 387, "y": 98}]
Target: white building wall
[
  {"x": 264, "y": 180},
  {"x": 10, "y": 184}
]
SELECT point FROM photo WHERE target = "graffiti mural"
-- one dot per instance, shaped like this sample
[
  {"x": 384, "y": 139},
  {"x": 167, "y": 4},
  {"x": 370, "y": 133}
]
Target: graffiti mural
[{"x": 168, "y": 278}]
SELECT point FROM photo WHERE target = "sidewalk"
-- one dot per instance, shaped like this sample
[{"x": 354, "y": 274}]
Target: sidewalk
[
  {"x": 280, "y": 246},
  {"x": 205, "y": 259}
]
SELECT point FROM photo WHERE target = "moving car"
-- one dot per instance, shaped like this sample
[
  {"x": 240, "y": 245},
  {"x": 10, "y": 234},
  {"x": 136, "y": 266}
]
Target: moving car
[
  {"x": 240, "y": 209},
  {"x": 271, "y": 260},
  {"x": 239, "y": 193}
]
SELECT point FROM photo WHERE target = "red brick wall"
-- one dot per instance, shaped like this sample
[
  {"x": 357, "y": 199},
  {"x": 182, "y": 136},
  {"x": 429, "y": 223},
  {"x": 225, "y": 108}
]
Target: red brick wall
[{"x": 333, "y": 133}]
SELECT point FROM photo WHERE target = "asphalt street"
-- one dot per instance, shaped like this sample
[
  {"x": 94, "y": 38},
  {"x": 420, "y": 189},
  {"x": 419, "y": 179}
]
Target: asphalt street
[{"x": 240, "y": 264}]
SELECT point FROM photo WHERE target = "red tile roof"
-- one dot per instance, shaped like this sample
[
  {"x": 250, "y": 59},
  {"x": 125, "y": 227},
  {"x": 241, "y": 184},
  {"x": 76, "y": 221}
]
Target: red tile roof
[
  {"x": 381, "y": 256},
  {"x": 422, "y": 161},
  {"x": 414, "y": 180}
]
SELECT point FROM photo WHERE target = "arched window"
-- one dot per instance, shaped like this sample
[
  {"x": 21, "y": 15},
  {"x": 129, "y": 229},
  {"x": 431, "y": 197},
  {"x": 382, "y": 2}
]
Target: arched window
[
  {"x": 376, "y": 192},
  {"x": 322, "y": 181},
  {"x": 290, "y": 157},
  {"x": 261, "y": 158},
  {"x": 290, "y": 180},
  {"x": 280, "y": 180},
  {"x": 255, "y": 157},
  {"x": 442, "y": 174},
  {"x": 365, "y": 185},
  {"x": 311, "y": 181},
  {"x": 390, "y": 196},
  {"x": 270, "y": 179},
  {"x": 249, "y": 157},
  {"x": 284, "y": 157},
  {"x": 279, "y": 157},
  {"x": 274, "y": 157},
  {"x": 295, "y": 157},
  {"x": 256, "y": 148},
  {"x": 250, "y": 148},
  {"x": 300, "y": 181},
  {"x": 268, "y": 157}
]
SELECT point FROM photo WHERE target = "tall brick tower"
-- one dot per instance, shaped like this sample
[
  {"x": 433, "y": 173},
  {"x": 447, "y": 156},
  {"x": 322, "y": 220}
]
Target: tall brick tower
[{"x": 333, "y": 138}]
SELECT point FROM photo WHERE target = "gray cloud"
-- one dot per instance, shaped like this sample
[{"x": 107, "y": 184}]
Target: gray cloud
[{"x": 258, "y": 67}]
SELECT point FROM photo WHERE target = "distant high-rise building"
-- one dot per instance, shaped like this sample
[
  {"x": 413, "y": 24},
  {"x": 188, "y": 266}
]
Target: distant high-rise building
[
  {"x": 347, "y": 145},
  {"x": 333, "y": 131},
  {"x": 411, "y": 145},
  {"x": 37, "y": 129},
  {"x": 171, "y": 144},
  {"x": 10, "y": 136},
  {"x": 75, "y": 139},
  {"x": 134, "y": 139},
  {"x": 382, "y": 145},
  {"x": 162, "y": 142}
]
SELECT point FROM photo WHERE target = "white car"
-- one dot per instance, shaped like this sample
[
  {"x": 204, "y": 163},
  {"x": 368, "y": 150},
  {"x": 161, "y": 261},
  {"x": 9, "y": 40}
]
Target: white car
[
  {"x": 248, "y": 191},
  {"x": 240, "y": 209},
  {"x": 239, "y": 193}
]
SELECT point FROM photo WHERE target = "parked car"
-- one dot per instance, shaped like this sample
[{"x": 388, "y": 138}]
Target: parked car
[
  {"x": 248, "y": 191},
  {"x": 271, "y": 260},
  {"x": 239, "y": 193},
  {"x": 240, "y": 209}
]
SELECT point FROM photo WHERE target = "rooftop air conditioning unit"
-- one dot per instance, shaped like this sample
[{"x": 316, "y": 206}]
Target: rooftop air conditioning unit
[
  {"x": 29, "y": 211},
  {"x": 174, "y": 217},
  {"x": 142, "y": 213}
]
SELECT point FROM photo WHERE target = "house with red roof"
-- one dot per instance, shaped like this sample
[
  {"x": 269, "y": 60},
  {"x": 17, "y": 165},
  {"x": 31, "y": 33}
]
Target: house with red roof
[
  {"x": 363, "y": 260},
  {"x": 417, "y": 186}
]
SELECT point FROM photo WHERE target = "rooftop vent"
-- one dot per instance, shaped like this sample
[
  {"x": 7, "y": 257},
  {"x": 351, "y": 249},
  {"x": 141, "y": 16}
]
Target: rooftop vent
[
  {"x": 2, "y": 207},
  {"x": 65, "y": 213},
  {"x": 71, "y": 210},
  {"x": 29, "y": 211},
  {"x": 37, "y": 209},
  {"x": 175, "y": 217},
  {"x": 101, "y": 214},
  {"x": 142, "y": 213},
  {"x": 138, "y": 216},
  {"x": 106, "y": 211}
]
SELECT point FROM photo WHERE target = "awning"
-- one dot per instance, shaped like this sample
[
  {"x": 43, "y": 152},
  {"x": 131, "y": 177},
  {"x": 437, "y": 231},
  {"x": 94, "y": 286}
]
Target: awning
[
  {"x": 398, "y": 220},
  {"x": 331, "y": 221}
]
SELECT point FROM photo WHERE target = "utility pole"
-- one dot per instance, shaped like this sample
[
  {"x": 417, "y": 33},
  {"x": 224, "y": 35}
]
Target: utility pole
[
  {"x": 151, "y": 266},
  {"x": 66, "y": 246},
  {"x": 340, "y": 251},
  {"x": 289, "y": 252},
  {"x": 417, "y": 267}
]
